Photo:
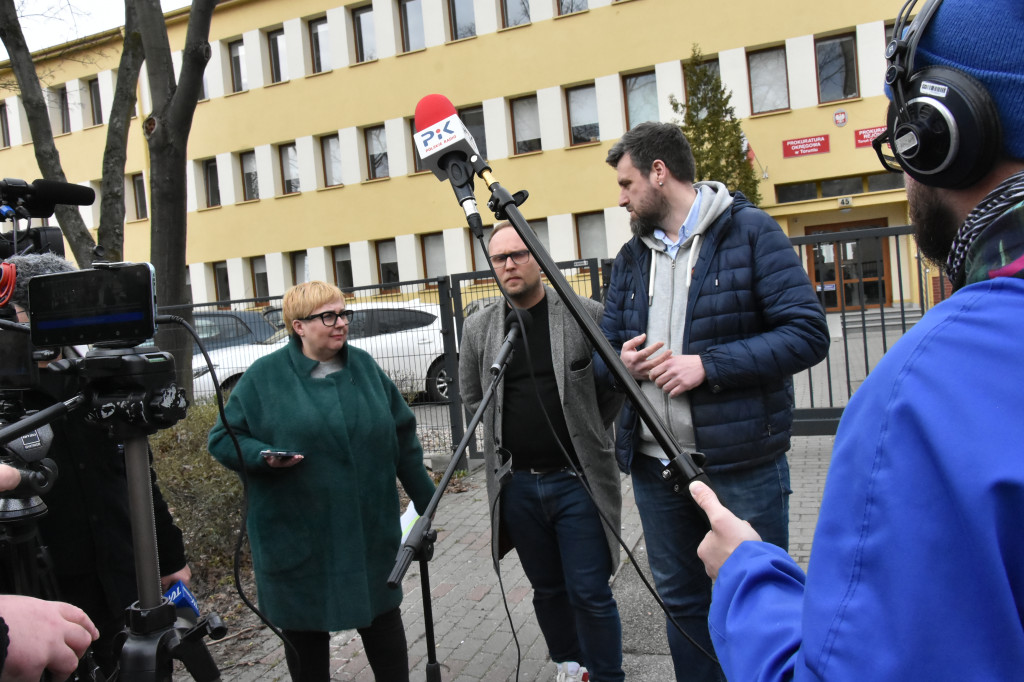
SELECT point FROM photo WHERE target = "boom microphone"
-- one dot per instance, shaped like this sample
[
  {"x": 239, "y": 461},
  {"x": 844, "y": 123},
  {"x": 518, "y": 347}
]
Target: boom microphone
[
  {"x": 447, "y": 148},
  {"x": 512, "y": 323},
  {"x": 39, "y": 197}
]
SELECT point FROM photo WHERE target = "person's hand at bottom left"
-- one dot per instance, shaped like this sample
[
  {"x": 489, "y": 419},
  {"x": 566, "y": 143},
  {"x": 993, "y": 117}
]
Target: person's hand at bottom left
[{"x": 44, "y": 635}]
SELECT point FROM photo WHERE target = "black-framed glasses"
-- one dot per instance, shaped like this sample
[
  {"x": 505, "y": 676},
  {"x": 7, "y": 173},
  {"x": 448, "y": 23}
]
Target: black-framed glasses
[
  {"x": 883, "y": 147},
  {"x": 498, "y": 260},
  {"x": 330, "y": 318}
]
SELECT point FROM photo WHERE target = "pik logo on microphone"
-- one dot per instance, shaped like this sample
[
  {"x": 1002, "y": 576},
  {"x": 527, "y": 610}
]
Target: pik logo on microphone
[{"x": 442, "y": 135}]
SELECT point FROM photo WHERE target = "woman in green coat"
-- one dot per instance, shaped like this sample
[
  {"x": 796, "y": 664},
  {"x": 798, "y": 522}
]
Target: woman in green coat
[{"x": 324, "y": 523}]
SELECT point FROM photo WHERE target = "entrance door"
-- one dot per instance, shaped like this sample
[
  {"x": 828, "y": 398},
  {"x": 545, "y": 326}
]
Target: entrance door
[{"x": 850, "y": 273}]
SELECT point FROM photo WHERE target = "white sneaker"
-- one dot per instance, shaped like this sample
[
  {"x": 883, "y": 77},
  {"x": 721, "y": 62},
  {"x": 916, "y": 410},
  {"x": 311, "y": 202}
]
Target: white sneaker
[{"x": 571, "y": 671}]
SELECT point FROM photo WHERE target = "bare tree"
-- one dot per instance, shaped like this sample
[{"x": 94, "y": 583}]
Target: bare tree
[
  {"x": 167, "y": 129},
  {"x": 36, "y": 111}
]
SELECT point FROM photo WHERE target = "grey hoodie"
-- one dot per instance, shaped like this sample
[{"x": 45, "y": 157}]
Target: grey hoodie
[{"x": 669, "y": 290}]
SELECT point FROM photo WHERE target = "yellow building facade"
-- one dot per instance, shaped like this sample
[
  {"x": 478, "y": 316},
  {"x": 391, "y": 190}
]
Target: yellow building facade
[{"x": 302, "y": 163}]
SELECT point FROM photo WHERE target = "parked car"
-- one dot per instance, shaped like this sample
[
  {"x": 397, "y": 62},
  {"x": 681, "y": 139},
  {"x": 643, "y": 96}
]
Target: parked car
[
  {"x": 223, "y": 328},
  {"x": 404, "y": 339}
]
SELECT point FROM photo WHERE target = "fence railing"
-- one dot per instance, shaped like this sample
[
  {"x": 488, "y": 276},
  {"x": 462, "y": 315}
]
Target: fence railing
[{"x": 412, "y": 328}]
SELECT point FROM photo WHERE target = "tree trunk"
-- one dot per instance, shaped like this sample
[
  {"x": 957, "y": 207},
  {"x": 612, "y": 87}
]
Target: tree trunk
[
  {"x": 112, "y": 207},
  {"x": 167, "y": 130}
]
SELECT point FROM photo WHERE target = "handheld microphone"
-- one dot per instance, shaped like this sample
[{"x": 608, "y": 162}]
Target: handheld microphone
[
  {"x": 447, "y": 148},
  {"x": 512, "y": 324},
  {"x": 39, "y": 197}
]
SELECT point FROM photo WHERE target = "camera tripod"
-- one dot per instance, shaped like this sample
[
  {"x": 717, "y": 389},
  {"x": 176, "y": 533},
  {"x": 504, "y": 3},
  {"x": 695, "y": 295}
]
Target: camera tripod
[{"x": 131, "y": 396}]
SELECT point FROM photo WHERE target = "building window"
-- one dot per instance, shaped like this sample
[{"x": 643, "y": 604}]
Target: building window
[
  {"x": 221, "y": 288},
  {"x": 480, "y": 251},
  {"x": 641, "y": 94},
  {"x": 289, "y": 159},
  {"x": 570, "y": 6},
  {"x": 387, "y": 261},
  {"x": 769, "y": 85},
  {"x": 417, "y": 162},
  {"x": 139, "y": 192},
  {"x": 590, "y": 235},
  {"x": 796, "y": 191},
  {"x": 837, "y": 68},
  {"x": 433, "y": 255},
  {"x": 95, "y": 103},
  {"x": 366, "y": 39},
  {"x": 236, "y": 54},
  {"x": 330, "y": 154},
  {"x": 319, "y": 45},
  {"x": 515, "y": 12},
  {"x": 838, "y": 187},
  {"x": 376, "y": 152},
  {"x": 64, "y": 109},
  {"x": 884, "y": 181},
  {"x": 411, "y": 12},
  {"x": 582, "y": 103},
  {"x": 260, "y": 285},
  {"x": 299, "y": 272},
  {"x": 250, "y": 180},
  {"x": 463, "y": 21},
  {"x": 278, "y": 53},
  {"x": 5, "y": 128},
  {"x": 343, "y": 266},
  {"x": 473, "y": 119},
  {"x": 525, "y": 124},
  {"x": 211, "y": 183}
]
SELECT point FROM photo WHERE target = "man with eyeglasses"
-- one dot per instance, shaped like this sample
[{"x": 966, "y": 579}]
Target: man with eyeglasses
[
  {"x": 917, "y": 567},
  {"x": 713, "y": 314},
  {"x": 551, "y": 479}
]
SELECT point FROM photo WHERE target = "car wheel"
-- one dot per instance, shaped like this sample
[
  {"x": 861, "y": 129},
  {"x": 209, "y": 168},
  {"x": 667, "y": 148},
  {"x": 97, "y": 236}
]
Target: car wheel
[{"x": 438, "y": 381}]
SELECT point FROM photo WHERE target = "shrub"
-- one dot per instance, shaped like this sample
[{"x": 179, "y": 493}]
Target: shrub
[{"x": 204, "y": 496}]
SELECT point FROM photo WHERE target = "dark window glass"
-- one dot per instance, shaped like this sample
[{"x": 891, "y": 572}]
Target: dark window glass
[
  {"x": 236, "y": 52},
  {"x": 278, "y": 55},
  {"x": 837, "y": 187},
  {"x": 837, "y": 68},
  {"x": 798, "y": 191},
  {"x": 463, "y": 21},
  {"x": 139, "y": 190},
  {"x": 473, "y": 118},
  {"x": 319, "y": 47},
  {"x": 515, "y": 12},
  {"x": 211, "y": 183}
]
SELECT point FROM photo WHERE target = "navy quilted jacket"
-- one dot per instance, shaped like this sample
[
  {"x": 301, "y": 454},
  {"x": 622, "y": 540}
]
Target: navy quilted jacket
[{"x": 752, "y": 317}]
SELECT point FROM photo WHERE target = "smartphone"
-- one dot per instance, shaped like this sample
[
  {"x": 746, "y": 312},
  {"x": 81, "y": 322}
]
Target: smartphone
[{"x": 281, "y": 454}]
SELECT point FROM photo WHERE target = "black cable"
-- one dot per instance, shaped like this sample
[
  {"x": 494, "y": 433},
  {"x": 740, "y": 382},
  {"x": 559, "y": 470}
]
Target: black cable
[{"x": 244, "y": 476}]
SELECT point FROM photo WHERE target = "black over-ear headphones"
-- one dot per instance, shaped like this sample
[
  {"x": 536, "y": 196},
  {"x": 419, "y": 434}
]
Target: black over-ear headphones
[{"x": 942, "y": 124}]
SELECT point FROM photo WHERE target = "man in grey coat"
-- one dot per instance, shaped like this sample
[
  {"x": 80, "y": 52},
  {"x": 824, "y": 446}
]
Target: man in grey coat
[{"x": 552, "y": 480}]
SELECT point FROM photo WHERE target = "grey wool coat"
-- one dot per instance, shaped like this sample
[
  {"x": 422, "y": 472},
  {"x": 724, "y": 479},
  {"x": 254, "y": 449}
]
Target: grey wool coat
[{"x": 589, "y": 411}]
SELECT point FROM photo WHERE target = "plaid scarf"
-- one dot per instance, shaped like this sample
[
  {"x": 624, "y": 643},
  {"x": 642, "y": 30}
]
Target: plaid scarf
[{"x": 1009, "y": 193}]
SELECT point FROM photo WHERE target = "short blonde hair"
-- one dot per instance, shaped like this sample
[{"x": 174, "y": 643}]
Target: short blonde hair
[{"x": 302, "y": 299}]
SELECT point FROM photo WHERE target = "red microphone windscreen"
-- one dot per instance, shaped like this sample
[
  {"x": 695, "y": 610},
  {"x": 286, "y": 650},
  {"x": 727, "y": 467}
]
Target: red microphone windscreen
[{"x": 433, "y": 109}]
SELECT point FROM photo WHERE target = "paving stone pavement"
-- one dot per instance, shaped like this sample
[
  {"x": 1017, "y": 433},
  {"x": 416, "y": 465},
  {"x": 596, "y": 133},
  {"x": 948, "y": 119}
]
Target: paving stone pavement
[{"x": 477, "y": 640}]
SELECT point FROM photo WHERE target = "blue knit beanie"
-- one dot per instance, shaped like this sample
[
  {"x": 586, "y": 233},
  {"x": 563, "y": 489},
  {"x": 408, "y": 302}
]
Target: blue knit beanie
[{"x": 984, "y": 39}]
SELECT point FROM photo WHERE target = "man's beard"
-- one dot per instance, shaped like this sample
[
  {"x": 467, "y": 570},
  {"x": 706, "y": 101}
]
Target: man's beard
[
  {"x": 935, "y": 223},
  {"x": 649, "y": 216}
]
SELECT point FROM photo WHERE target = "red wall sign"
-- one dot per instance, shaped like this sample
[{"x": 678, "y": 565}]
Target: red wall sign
[
  {"x": 805, "y": 145},
  {"x": 864, "y": 136}
]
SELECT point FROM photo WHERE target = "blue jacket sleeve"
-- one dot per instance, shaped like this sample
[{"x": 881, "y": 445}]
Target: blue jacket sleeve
[{"x": 756, "y": 613}]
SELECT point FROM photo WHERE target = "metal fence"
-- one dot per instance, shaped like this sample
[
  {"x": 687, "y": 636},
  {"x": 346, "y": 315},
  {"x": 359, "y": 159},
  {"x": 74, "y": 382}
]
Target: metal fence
[{"x": 874, "y": 289}]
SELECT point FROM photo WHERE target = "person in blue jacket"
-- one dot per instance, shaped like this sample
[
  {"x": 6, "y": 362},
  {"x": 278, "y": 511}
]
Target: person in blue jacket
[
  {"x": 917, "y": 566},
  {"x": 712, "y": 313}
]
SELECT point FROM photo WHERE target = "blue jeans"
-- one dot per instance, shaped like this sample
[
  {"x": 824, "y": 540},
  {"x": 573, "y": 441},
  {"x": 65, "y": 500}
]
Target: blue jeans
[
  {"x": 561, "y": 543},
  {"x": 673, "y": 528}
]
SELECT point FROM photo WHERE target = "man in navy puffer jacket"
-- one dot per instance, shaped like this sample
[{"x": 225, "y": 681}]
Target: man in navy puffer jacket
[{"x": 712, "y": 313}]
